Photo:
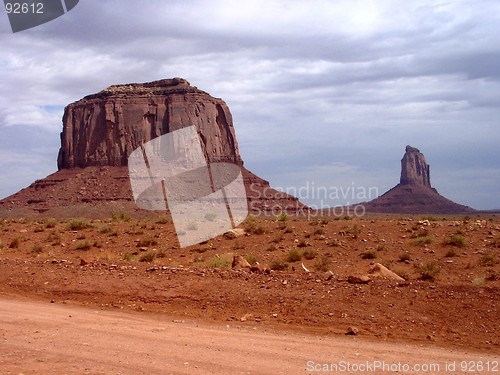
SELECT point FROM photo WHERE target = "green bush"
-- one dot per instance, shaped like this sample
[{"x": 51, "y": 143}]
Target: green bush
[
  {"x": 428, "y": 271},
  {"x": 278, "y": 265},
  {"x": 79, "y": 224},
  {"x": 121, "y": 217},
  {"x": 455, "y": 240},
  {"x": 147, "y": 257},
  {"x": 421, "y": 241},
  {"x": 83, "y": 245},
  {"x": 293, "y": 255},
  {"x": 282, "y": 217}
]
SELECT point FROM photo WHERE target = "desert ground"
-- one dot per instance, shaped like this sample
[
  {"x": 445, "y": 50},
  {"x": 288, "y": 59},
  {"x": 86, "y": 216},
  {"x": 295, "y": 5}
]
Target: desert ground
[{"x": 300, "y": 284}]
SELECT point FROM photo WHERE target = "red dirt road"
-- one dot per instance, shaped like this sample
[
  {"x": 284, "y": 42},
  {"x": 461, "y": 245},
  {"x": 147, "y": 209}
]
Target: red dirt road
[{"x": 43, "y": 338}]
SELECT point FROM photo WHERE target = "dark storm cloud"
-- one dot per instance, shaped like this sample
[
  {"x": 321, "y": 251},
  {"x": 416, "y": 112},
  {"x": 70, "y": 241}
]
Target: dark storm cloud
[{"x": 320, "y": 90}]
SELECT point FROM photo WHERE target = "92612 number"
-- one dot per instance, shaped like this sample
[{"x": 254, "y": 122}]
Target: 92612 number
[{"x": 24, "y": 8}]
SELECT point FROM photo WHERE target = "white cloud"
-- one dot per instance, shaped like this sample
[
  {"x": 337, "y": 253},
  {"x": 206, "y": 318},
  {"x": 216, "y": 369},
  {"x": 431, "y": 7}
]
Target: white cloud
[{"x": 312, "y": 85}]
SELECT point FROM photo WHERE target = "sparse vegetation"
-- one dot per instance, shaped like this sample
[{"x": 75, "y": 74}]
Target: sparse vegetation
[
  {"x": 278, "y": 265},
  {"x": 36, "y": 249},
  {"x": 146, "y": 242},
  {"x": 405, "y": 257},
  {"x": 282, "y": 217},
  {"x": 319, "y": 231},
  {"x": 129, "y": 257},
  {"x": 147, "y": 257},
  {"x": 50, "y": 223},
  {"x": 450, "y": 253},
  {"x": 123, "y": 217},
  {"x": 163, "y": 220},
  {"x": 54, "y": 238},
  {"x": 252, "y": 226},
  {"x": 455, "y": 240},
  {"x": 354, "y": 231},
  {"x": 293, "y": 255},
  {"x": 488, "y": 260},
  {"x": 333, "y": 243},
  {"x": 421, "y": 241},
  {"x": 14, "y": 244},
  {"x": 428, "y": 271},
  {"x": 105, "y": 229},
  {"x": 83, "y": 245},
  {"x": 79, "y": 224},
  {"x": 251, "y": 259},
  {"x": 309, "y": 254},
  {"x": 479, "y": 281},
  {"x": 217, "y": 262},
  {"x": 370, "y": 254},
  {"x": 322, "y": 264},
  {"x": 288, "y": 230},
  {"x": 302, "y": 243}
]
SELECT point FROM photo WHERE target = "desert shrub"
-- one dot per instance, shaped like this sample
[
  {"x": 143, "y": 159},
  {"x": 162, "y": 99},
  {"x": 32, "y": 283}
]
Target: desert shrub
[
  {"x": 354, "y": 231},
  {"x": 496, "y": 242},
  {"x": 293, "y": 255},
  {"x": 403, "y": 273},
  {"x": 238, "y": 245},
  {"x": 14, "y": 243},
  {"x": 83, "y": 245},
  {"x": 404, "y": 257},
  {"x": 492, "y": 276},
  {"x": 302, "y": 243},
  {"x": 146, "y": 242},
  {"x": 54, "y": 238},
  {"x": 450, "y": 253},
  {"x": 272, "y": 247},
  {"x": 50, "y": 223},
  {"x": 105, "y": 229},
  {"x": 428, "y": 271},
  {"x": 421, "y": 241},
  {"x": 217, "y": 262},
  {"x": 123, "y": 217},
  {"x": 455, "y": 240},
  {"x": 488, "y": 260},
  {"x": 162, "y": 220},
  {"x": 78, "y": 224},
  {"x": 278, "y": 265},
  {"x": 319, "y": 231},
  {"x": 333, "y": 243},
  {"x": 252, "y": 226},
  {"x": 322, "y": 264},
  {"x": 323, "y": 221},
  {"x": 36, "y": 249},
  {"x": 251, "y": 259},
  {"x": 422, "y": 232},
  {"x": 309, "y": 254},
  {"x": 39, "y": 229},
  {"x": 288, "y": 230},
  {"x": 129, "y": 257},
  {"x": 368, "y": 255},
  {"x": 278, "y": 238},
  {"x": 479, "y": 281},
  {"x": 147, "y": 257},
  {"x": 282, "y": 217}
]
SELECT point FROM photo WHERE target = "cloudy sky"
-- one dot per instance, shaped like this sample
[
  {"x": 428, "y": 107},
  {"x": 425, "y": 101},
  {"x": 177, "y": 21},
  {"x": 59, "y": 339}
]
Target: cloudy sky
[{"x": 323, "y": 93}]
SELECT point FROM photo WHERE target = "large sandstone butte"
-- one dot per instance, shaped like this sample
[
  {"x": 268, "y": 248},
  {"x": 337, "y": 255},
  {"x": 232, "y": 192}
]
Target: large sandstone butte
[
  {"x": 414, "y": 193},
  {"x": 101, "y": 130}
]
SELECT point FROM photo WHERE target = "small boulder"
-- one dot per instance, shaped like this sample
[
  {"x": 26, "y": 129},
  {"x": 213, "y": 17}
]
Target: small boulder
[
  {"x": 352, "y": 331},
  {"x": 382, "y": 271},
  {"x": 358, "y": 279}
]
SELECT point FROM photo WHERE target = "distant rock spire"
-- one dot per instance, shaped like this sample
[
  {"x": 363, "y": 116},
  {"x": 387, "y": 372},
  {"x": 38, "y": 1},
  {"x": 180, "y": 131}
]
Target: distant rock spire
[{"x": 414, "y": 168}]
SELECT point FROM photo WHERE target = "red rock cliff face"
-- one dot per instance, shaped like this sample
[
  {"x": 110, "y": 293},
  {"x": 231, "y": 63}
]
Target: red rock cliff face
[
  {"x": 414, "y": 168},
  {"x": 104, "y": 128}
]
